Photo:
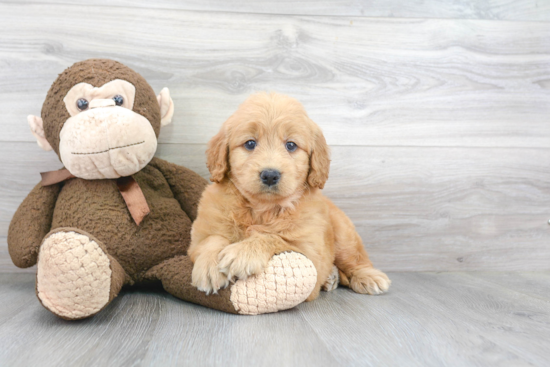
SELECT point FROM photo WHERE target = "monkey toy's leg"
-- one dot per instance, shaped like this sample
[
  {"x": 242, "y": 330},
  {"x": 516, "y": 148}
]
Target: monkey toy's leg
[
  {"x": 76, "y": 277},
  {"x": 286, "y": 282}
]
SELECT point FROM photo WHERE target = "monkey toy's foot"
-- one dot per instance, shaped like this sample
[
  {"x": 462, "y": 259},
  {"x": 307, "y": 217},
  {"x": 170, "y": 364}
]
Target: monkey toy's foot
[
  {"x": 75, "y": 277},
  {"x": 287, "y": 281}
]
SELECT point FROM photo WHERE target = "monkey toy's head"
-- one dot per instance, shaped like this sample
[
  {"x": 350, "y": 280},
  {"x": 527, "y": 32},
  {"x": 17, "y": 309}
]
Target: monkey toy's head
[{"x": 102, "y": 119}]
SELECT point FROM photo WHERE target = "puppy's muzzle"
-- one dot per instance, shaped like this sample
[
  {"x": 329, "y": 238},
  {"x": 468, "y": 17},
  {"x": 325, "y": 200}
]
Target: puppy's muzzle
[{"x": 270, "y": 177}]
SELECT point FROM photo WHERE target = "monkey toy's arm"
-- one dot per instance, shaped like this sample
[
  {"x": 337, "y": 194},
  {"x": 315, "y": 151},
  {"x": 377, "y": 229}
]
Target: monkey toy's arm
[
  {"x": 31, "y": 222},
  {"x": 186, "y": 185}
]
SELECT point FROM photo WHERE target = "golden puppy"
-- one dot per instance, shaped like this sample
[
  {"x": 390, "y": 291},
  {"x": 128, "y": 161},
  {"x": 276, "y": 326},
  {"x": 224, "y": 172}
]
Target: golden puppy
[{"x": 269, "y": 163}]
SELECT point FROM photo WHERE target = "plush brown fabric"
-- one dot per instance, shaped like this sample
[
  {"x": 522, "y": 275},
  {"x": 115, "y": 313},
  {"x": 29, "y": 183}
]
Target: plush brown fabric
[
  {"x": 31, "y": 222},
  {"x": 175, "y": 275},
  {"x": 162, "y": 234},
  {"x": 186, "y": 185},
  {"x": 95, "y": 72}
]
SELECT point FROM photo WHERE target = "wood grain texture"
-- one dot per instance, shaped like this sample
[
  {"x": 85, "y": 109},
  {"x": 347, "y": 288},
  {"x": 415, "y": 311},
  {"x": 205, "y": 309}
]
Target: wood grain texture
[
  {"x": 532, "y": 284},
  {"x": 280, "y": 339},
  {"x": 415, "y": 208},
  {"x": 439, "y": 127},
  {"x": 446, "y": 319},
  {"x": 427, "y": 319},
  {"x": 392, "y": 82},
  {"x": 530, "y": 10}
]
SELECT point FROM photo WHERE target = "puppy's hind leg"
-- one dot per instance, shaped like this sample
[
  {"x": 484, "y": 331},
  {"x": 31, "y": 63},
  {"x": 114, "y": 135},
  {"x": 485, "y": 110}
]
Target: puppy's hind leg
[{"x": 352, "y": 260}]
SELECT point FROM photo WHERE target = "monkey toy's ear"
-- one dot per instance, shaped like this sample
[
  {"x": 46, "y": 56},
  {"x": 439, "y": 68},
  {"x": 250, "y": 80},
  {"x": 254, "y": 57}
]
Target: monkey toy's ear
[
  {"x": 166, "y": 107},
  {"x": 37, "y": 129}
]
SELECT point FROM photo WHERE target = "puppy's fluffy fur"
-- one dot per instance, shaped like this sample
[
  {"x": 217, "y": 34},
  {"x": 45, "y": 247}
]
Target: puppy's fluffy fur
[{"x": 243, "y": 222}]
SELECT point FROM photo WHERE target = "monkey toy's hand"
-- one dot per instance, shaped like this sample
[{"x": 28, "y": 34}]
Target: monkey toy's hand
[{"x": 31, "y": 222}]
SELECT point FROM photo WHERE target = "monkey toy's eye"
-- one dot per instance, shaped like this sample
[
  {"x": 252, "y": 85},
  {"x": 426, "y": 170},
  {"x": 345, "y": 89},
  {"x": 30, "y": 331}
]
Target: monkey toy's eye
[
  {"x": 250, "y": 145},
  {"x": 291, "y": 146},
  {"x": 82, "y": 104},
  {"x": 119, "y": 100}
]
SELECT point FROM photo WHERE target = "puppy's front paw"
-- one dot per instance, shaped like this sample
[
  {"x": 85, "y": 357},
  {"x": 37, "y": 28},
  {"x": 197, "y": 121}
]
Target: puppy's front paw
[
  {"x": 241, "y": 261},
  {"x": 370, "y": 281},
  {"x": 206, "y": 276}
]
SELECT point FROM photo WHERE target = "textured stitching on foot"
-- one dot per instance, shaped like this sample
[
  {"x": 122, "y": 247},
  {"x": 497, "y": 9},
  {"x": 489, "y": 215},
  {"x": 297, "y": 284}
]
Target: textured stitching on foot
[
  {"x": 287, "y": 281},
  {"x": 73, "y": 275}
]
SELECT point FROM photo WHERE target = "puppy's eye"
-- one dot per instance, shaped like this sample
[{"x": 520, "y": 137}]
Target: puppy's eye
[
  {"x": 250, "y": 145},
  {"x": 119, "y": 100},
  {"x": 291, "y": 146},
  {"x": 82, "y": 104}
]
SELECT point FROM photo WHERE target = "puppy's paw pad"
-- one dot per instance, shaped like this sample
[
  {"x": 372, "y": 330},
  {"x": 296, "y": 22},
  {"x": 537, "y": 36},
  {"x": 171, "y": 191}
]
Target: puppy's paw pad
[
  {"x": 369, "y": 281},
  {"x": 287, "y": 280}
]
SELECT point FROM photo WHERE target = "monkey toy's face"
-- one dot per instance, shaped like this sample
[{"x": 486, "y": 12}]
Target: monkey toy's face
[
  {"x": 102, "y": 124},
  {"x": 104, "y": 138}
]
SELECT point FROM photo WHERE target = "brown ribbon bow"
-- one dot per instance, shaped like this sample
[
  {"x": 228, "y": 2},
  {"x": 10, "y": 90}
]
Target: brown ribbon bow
[{"x": 128, "y": 187}]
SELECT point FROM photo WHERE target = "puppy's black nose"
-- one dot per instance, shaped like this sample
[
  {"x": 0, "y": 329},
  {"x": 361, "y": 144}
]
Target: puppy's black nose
[{"x": 270, "y": 177}]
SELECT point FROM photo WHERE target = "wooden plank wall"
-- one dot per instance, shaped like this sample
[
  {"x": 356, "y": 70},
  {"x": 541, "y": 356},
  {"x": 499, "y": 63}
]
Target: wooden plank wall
[{"x": 437, "y": 112}]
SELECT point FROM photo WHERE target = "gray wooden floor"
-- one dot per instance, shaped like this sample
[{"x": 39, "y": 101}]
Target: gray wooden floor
[{"x": 427, "y": 319}]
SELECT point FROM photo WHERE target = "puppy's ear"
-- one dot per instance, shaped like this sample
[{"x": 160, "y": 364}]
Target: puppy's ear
[
  {"x": 319, "y": 161},
  {"x": 217, "y": 156}
]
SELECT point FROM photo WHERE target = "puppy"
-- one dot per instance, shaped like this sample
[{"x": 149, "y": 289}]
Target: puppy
[{"x": 269, "y": 163}]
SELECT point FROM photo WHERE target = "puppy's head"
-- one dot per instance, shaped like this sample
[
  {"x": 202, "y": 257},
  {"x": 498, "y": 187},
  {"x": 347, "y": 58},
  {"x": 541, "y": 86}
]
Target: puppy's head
[{"x": 270, "y": 149}]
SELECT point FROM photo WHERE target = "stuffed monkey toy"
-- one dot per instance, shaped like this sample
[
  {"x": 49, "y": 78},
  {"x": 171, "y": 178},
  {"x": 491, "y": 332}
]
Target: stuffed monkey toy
[{"x": 116, "y": 215}]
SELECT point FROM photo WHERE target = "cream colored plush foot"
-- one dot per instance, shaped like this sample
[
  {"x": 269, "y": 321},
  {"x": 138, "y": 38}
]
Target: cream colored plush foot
[
  {"x": 332, "y": 281},
  {"x": 286, "y": 282},
  {"x": 74, "y": 275}
]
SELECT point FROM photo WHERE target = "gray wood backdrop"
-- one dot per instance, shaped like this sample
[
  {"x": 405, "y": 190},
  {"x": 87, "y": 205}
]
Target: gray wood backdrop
[{"x": 437, "y": 111}]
